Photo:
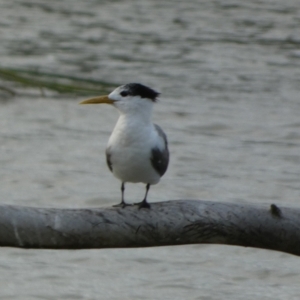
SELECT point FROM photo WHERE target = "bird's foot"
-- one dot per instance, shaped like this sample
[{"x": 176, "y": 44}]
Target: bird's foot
[
  {"x": 143, "y": 204},
  {"x": 122, "y": 204}
]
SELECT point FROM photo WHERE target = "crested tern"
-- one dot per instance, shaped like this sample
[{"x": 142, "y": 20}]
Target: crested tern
[{"x": 137, "y": 150}]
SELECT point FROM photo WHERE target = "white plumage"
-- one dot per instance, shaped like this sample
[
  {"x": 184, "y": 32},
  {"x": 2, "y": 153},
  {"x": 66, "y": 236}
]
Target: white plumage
[{"x": 137, "y": 150}]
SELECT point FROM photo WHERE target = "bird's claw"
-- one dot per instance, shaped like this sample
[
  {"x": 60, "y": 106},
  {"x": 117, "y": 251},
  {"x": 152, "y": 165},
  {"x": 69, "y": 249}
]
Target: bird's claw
[
  {"x": 122, "y": 204},
  {"x": 143, "y": 204}
]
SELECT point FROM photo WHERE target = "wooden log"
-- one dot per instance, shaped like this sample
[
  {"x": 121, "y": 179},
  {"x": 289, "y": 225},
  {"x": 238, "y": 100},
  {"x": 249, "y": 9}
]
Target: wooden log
[{"x": 165, "y": 223}]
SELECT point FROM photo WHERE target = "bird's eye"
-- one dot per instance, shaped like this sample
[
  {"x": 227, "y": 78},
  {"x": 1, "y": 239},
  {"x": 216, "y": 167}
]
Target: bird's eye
[{"x": 124, "y": 94}]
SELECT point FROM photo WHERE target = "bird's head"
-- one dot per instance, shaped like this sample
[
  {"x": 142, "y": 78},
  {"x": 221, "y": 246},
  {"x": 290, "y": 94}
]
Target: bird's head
[{"x": 129, "y": 98}]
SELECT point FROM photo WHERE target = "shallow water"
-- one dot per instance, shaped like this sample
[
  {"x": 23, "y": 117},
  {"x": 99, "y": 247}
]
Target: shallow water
[{"x": 230, "y": 82}]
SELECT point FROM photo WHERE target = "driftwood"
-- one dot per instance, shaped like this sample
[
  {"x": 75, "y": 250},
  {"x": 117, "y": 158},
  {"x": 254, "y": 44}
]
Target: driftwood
[{"x": 166, "y": 223}]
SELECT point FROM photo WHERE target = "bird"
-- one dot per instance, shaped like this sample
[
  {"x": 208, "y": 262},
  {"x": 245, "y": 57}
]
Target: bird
[{"x": 137, "y": 150}]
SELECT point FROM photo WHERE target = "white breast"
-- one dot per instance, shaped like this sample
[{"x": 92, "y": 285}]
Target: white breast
[{"x": 130, "y": 146}]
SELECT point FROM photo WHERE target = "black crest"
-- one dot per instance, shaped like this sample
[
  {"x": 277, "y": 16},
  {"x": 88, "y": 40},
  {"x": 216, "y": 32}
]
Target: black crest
[{"x": 137, "y": 89}]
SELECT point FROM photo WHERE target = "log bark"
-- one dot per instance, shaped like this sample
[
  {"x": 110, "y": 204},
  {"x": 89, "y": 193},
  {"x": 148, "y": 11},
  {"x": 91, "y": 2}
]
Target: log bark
[{"x": 165, "y": 223}]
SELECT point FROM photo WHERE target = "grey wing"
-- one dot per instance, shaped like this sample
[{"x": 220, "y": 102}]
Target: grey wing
[
  {"x": 160, "y": 158},
  {"x": 108, "y": 159}
]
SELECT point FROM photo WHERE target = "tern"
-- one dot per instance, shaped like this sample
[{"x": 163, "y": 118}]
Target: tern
[{"x": 137, "y": 150}]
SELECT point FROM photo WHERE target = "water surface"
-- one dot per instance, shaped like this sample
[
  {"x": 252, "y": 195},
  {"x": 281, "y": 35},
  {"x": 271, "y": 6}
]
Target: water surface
[{"x": 229, "y": 76}]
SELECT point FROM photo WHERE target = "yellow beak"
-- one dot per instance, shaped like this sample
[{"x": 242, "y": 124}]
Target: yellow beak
[{"x": 98, "y": 100}]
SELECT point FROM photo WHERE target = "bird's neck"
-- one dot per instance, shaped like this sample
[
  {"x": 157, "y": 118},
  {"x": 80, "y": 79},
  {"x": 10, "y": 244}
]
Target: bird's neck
[
  {"x": 137, "y": 116},
  {"x": 132, "y": 126},
  {"x": 134, "y": 121}
]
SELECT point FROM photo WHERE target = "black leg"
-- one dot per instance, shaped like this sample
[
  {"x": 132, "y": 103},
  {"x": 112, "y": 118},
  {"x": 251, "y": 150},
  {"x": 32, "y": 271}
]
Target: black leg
[
  {"x": 122, "y": 204},
  {"x": 144, "y": 203},
  {"x": 122, "y": 192}
]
